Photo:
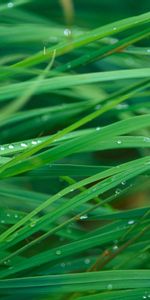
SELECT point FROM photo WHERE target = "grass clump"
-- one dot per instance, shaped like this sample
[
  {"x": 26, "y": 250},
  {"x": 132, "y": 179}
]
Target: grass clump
[{"x": 74, "y": 153}]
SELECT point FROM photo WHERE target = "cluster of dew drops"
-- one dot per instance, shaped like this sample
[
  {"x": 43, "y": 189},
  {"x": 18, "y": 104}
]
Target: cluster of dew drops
[
  {"x": 22, "y": 145},
  {"x": 146, "y": 296},
  {"x": 8, "y": 215}
]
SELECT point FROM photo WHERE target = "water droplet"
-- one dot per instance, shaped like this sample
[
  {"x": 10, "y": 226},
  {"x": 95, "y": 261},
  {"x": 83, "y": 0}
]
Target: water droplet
[
  {"x": 148, "y": 50},
  {"x": 113, "y": 41},
  {"x": 122, "y": 106},
  {"x": 87, "y": 261},
  {"x": 68, "y": 66},
  {"x": 83, "y": 217},
  {"x": 114, "y": 28},
  {"x": 58, "y": 252},
  {"x": 67, "y": 32},
  {"x": 7, "y": 262},
  {"x": 123, "y": 182},
  {"x": 98, "y": 128},
  {"x": 119, "y": 142},
  {"x": 71, "y": 190},
  {"x": 16, "y": 216},
  {"x": 24, "y": 145},
  {"x": 131, "y": 222},
  {"x": 98, "y": 106},
  {"x": 45, "y": 118},
  {"x": 39, "y": 142},
  {"x": 2, "y": 221},
  {"x": 8, "y": 215},
  {"x": 144, "y": 297},
  {"x": 11, "y": 147},
  {"x": 34, "y": 142},
  {"x": 118, "y": 191},
  {"x": 10, "y": 4},
  {"x": 32, "y": 224},
  {"x": 146, "y": 139},
  {"x": 2, "y": 148},
  {"x": 63, "y": 265},
  {"x": 115, "y": 247},
  {"x": 109, "y": 286}
]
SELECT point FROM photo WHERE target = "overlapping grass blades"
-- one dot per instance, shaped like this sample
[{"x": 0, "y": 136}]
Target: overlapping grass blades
[{"x": 74, "y": 153}]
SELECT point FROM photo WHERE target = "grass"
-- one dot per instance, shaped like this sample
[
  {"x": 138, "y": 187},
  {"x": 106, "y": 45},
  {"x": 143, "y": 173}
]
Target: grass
[{"x": 74, "y": 153}]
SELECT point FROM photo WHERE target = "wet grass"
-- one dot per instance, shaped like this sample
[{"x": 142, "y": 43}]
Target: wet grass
[{"x": 74, "y": 150}]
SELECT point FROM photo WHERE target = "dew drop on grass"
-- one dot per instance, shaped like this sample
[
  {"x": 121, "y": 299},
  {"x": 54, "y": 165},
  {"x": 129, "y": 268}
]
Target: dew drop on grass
[
  {"x": 115, "y": 247},
  {"x": 98, "y": 106},
  {"x": 83, "y": 217},
  {"x": 131, "y": 222},
  {"x": 8, "y": 215},
  {"x": 45, "y": 118},
  {"x": 7, "y": 262},
  {"x": 123, "y": 182},
  {"x": 10, "y": 4},
  {"x": 24, "y": 145},
  {"x": 2, "y": 221},
  {"x": 119, "y": 142},
  {"x": 16, "y": 216},
  {"x": 2, "y": 148},
  {"x": 144, "y": 297},
  {"x": 117, "y": 192},
  {"x": 114, "y": 28},
  {"x": 122, "y": 106},
  {"x": 87, "y": 261},
  {"x": 148, "y": 50},
  {"x": 98, "y": 128},
  {"x": 58, "y": 252},
  {"x": 113, "y": 41},
  {"x": 63, "y": 265},
  {"x": 11, "y": 147},
  {"x": 109, "y": 287},
  {"x": 32, "y": 224},
  {"x": 146, "y": 139},
  {"x": 67, "y": 32},
  {"x": 34, "y": 142},
  {"x": 68, "y": 66}
]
